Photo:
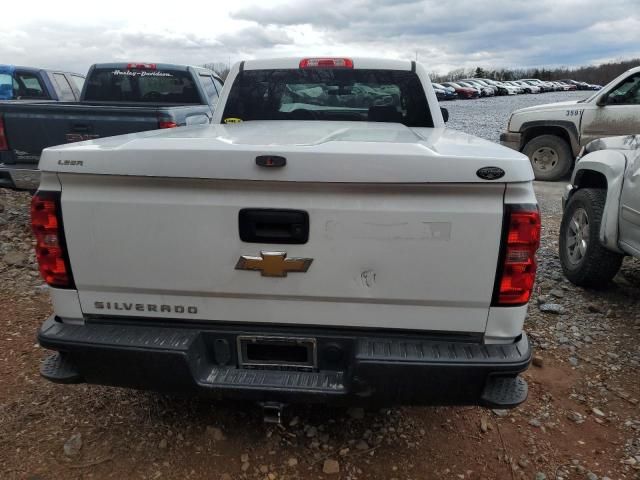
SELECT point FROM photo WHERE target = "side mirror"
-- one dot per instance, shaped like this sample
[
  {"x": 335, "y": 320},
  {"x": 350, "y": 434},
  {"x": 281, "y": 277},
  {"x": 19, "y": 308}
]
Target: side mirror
[
  {"x": 445, "y": 114},
  {"x": 602, "y": 100}
]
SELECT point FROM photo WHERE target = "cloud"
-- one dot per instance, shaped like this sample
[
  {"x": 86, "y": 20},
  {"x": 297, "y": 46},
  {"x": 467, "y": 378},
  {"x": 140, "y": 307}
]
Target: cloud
[
  {"x": 444, "y": 34},
  {"x": 462, "y": 32}
]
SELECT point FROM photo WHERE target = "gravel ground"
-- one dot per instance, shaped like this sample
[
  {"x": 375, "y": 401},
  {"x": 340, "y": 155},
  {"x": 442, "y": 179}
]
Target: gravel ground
[
  {"x": 487, "y": 117},
  {"x": 581, "y": 421}
]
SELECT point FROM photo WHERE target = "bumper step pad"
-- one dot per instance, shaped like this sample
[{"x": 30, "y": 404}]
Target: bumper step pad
[
  {"x": 325, "y": 382},
  {"x": 58, "y": 368},
  {"x": 504, "y": 392}
]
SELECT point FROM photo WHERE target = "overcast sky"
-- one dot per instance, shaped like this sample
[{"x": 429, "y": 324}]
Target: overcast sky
[{"x": 445, "y": 34}]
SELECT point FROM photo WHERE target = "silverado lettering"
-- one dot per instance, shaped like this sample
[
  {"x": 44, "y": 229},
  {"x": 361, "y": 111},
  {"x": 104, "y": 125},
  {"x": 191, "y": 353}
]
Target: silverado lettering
[{"x": 145, "y": 307}]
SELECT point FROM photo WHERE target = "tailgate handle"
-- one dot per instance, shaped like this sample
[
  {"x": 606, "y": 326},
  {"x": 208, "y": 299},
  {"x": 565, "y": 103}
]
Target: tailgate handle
[
  {"x": 81, "y": 128},
  {"x": 267, "y": 225}
]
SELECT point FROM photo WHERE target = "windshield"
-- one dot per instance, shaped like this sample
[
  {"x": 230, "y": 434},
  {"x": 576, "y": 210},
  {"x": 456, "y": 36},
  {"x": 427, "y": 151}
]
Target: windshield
[
  {"x": 328, "y": 94},
  {"x": 138, "y": 85}
]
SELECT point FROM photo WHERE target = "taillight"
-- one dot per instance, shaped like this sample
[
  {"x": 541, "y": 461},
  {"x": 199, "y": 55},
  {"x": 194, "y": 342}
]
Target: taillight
[
  {"x": 326, "y": 63},
  {"x": 4, "y": 145},
  {"x": 141, "y": 66},
  {"x": 165, "y": 124},
  {"x": 51, "y": 250},
  {"x": 517, "y": 268}
]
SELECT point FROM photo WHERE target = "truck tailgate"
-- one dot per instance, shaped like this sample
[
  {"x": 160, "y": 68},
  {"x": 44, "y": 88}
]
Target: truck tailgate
[
  {"x": 31, "y": 127},
  {"x": 405, "y": 256}
]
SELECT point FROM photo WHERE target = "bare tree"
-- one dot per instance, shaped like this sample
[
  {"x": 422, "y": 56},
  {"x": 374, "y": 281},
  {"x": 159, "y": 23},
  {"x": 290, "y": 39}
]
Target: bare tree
[
  {"x": 220, "y": 68},
  {"x": 598, "y": 74}
]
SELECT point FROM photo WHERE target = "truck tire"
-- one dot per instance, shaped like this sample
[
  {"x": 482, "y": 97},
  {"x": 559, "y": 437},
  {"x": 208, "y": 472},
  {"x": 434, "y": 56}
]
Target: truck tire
[
  {"x": 585, "y": 261},
  {"x": 550, "y": 157}
]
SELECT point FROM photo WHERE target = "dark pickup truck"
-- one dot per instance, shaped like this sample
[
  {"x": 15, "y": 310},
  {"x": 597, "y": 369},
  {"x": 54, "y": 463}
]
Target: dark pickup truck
[
  {"x": 19, "y": 84},
  {"x": 117, "y": 98}
]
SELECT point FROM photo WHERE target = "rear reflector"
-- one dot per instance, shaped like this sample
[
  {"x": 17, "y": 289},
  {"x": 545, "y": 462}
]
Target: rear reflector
[
  {"x": 141, "y": 66},
  {"x": 51, "y": 250},
  {"x": 517, "y": 269},
  {"x": 326, "y": 63},
  {"x": 163, "y": 124},
  {"x": 4, "y": 145}
]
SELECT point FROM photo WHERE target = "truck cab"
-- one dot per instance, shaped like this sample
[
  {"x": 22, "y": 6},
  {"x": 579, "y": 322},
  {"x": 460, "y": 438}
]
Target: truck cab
[
  {"x": 28, "y": 83},
  {"x": 552, "y": 135}
]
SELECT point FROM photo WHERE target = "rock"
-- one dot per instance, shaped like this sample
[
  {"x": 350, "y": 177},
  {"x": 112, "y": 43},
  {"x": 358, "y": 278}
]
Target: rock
[
  {"x": 331, "y": 467},
  {"x": 292, "y": 462},
  {"x": 593, "y": 308},
  {"x": 573, "y": 361},
  {"x": 534, "y": 422},
  {"x": 362, "y": 445},
  {"x": 163, "y": 444},
  {"x": 263, "y": 469},
  {"x": 592, "y": 476},
  {"x": 556, "y": 293},
  {"x": 575, "y": 417},
  {"x": 598, "y": 413},
  {"x": 312, "y": 432},
  {"x": 245, "y": 466},
  {"x": 554, "y": 308},
  {"x": 630, "y": 461},
  {"x": 500, "y": 412},
  {"x": 73, "y": 445},
  {"x": 215, "y": 433},
  {"x": 540, "y": 476},
  {"x": 226, "y": 476},
  {"x": 484, "y": 425},
  {"x": 15, "y": 259},
  {"x": 538, "y": 361},
  {"x": 356, "y": 413},
  {"x": 244, "y": 457},
  {"x": 343, "y": 452},
  {"x": 523, "y": 462}
]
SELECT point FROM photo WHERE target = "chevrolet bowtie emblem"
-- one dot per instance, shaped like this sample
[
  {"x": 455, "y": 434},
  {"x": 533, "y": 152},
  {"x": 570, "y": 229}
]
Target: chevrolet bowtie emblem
[{"x": 273, "y": 264}]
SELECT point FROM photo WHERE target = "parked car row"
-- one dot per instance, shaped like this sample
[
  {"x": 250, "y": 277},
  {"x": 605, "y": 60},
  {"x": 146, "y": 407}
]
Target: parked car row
[{"x": 485, "y": 87}]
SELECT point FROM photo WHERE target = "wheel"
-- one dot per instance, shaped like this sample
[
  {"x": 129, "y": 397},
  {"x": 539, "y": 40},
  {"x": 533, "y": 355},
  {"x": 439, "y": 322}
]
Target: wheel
[
  {"x": 550, "y": 157},
  {"x": 585, "y": 261}
]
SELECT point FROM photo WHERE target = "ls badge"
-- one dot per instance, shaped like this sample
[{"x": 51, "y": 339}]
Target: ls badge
[{"x": 273, "y": 264}]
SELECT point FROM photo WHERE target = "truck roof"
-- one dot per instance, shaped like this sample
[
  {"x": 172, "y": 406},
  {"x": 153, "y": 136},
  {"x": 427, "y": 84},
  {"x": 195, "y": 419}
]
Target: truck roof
[
  {"x": 159, "y": 66},
  {"x": 6, "y": 66},
  {"x": 358, "y": 62}
]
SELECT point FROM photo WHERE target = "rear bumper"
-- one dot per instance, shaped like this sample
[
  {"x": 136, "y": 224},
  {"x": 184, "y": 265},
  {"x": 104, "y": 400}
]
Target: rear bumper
[
  {"x": 511, "y": 140},
  {"x": 19, "y": 176},
  {"x": 353, "y": 366}
]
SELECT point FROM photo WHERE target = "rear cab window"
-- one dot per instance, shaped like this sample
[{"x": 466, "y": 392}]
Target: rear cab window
[
  {"x": 78, "y": 81},
  {"x": 371, "y": 95},
  {"x": 64, "y": 87},
  {"x": 28, "y": 86},
  {"x": 141, "y": 85}
]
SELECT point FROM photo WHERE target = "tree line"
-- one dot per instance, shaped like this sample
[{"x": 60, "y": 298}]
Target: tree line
[{"x": 596, "y": 74}]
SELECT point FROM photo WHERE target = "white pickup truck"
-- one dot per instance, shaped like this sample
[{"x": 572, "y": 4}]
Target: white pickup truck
[
  {"x": 552, "y": 135},
  {"x": 326, "y": 238}
]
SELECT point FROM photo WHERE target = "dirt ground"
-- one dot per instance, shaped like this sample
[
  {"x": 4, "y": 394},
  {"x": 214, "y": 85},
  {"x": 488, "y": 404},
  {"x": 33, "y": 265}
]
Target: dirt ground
[{"x": 581, "y": 421}]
